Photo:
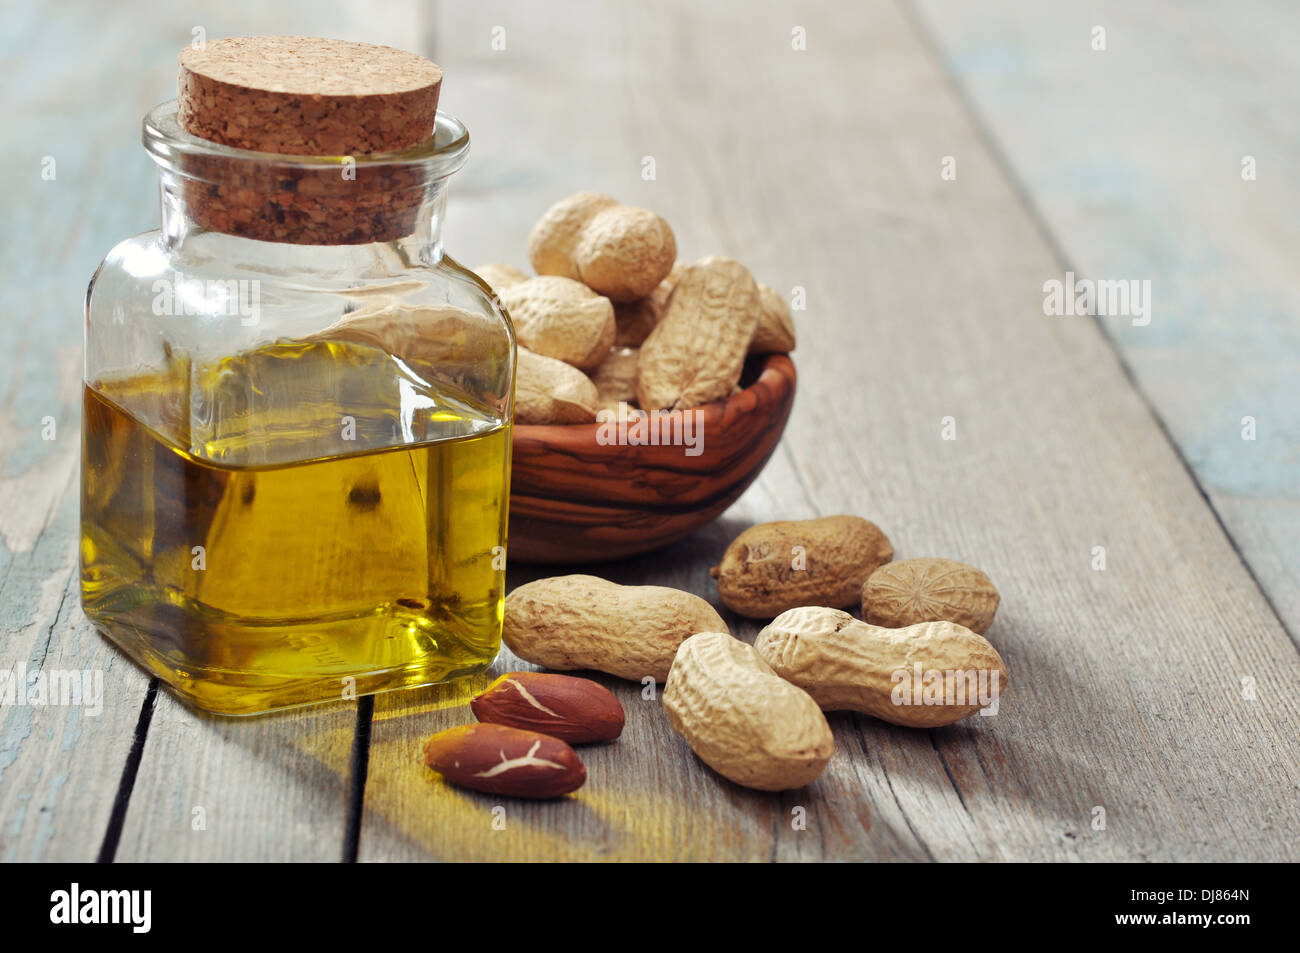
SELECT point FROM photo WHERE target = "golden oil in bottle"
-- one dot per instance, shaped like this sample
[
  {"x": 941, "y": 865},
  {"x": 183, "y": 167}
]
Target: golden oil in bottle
[{"x": 296, "y": 524}]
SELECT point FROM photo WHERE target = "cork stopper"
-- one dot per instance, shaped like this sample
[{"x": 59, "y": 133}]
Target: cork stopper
[
  {"x": 306, "y": 101},
  {"x": 307, "y": 96}
]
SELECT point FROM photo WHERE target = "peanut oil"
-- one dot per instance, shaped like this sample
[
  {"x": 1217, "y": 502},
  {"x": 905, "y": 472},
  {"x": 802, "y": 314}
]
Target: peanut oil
[{"x": 300, "y": 523}]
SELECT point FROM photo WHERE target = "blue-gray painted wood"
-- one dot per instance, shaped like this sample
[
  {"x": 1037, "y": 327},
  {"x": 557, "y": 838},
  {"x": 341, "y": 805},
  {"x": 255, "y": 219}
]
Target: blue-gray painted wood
[{"x": 1135, "y": 158}]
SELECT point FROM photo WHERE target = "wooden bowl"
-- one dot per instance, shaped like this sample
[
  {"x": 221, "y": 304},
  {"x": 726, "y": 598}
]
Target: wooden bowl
[{"x": 573, "y": 499}]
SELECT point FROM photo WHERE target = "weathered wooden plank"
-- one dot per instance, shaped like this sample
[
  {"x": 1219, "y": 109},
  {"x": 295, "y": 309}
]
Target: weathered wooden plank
[
  {"x": 821, "y": 168},
  {"x": 61, "y": 755},
  {"x": 1134, "y": 158},
  {"x": 59, "y": 764},
  {"x": 221, "y": 789},
  {"x": 273, "y": 788}
]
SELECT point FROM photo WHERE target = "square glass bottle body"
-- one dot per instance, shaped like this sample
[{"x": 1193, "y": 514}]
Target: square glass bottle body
[{"x": 296, "y": 458}]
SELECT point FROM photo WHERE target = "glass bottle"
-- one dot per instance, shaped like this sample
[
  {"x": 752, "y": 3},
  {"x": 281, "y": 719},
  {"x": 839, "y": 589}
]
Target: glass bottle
[{"x": 296, "y": 432}]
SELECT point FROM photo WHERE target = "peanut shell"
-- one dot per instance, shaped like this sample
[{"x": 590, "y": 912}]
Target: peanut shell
[
  {"x": 625, "y": 252},
  {"x": 696, "y": 353},
  {"x": 439, "y": 335},
  {"x": 775, "y": 331},
  {"x": 585, "y": 622},
  {"x": 929, "y": 590},
  {"x": 845, "y": 664},
  {"x": 499, "y": 277},
  {"x": 635, "y": 320},
  {"x": 741, "y": 719},
  {"x": 818, "y": 562},
  {"x": 615, "y": 377},
  {"x": 555, "y": 236},
  {"x": 548, "y": 391},
  {"x": 561, "y": 318}
]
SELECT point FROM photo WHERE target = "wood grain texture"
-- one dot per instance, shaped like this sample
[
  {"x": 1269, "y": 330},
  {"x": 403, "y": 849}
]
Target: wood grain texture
[
  {"x": 574, "y": 498},
  {"x": 924, "y": 303},
  {"x": 1133, "y": 156},
  {"x": 268, "y": 787},
  {"x": 60, "y": 765},
  {"x": 274, "y": 788}
]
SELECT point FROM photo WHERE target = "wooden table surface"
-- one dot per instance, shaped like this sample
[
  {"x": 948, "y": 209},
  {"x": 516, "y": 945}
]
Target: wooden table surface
[{"x": 1153, "y": 710}]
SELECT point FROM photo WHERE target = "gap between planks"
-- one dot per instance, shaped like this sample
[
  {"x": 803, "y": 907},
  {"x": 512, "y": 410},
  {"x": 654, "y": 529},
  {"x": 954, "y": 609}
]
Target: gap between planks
[{"x": 1056, "y": 246}]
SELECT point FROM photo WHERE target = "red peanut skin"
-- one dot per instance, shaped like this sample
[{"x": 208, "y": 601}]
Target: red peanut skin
[
  {"x": 584, "y": 711},
  {"x": 497, "y": 759}
]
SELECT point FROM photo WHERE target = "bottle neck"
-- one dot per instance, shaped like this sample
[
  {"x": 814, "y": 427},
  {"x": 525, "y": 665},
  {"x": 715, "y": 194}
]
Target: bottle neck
[
  {"x": 409, "y": 229},
  {"x": 315, "y": 214}
]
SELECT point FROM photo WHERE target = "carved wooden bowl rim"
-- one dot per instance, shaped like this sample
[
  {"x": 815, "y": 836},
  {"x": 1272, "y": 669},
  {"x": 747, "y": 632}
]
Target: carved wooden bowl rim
[{"x": 776, "y": 375}]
